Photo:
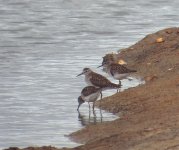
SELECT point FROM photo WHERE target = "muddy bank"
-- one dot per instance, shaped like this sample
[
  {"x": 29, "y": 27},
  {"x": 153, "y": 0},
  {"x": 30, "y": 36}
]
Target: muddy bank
[{"x": 149, "y": 113}]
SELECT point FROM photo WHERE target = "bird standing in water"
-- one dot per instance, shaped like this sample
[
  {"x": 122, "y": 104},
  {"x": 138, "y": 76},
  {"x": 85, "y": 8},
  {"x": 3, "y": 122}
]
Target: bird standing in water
[
  {"x": 110, "y": 57},
  {"x": 89, "y": 94}
]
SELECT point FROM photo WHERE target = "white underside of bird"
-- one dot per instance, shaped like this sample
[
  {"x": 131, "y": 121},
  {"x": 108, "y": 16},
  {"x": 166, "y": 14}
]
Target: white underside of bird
[
  {"x": 87, "y": 80},
  {"x": 120, "y": 76},
  {"x": 91, "y": 98}
]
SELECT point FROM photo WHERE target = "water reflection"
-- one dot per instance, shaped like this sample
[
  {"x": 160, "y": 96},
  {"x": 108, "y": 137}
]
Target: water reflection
[{"x": 90, "y": 118}]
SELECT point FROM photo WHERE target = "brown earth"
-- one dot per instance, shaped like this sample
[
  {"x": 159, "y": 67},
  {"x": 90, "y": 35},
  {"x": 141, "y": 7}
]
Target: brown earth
[{"x": 149, "y": 113}]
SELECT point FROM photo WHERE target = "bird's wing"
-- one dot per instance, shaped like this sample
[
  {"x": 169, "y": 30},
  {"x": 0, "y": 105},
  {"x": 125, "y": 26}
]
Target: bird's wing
[
  {"x": 117, "y": 68},
  {"x": 99, "y": 80},
  {"x": 89, "y": 90}
]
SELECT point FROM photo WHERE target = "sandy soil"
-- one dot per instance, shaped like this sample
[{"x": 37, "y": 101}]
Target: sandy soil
[{"x": 149, "y": 113}]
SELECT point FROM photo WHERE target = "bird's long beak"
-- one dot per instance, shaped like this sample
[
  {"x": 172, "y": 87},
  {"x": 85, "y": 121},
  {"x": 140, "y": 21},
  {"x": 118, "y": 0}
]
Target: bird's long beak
[
  {"x": 99, "y": 66},
  {"x": 78, "y": 107},
  {"x": 80, "y": 74}
]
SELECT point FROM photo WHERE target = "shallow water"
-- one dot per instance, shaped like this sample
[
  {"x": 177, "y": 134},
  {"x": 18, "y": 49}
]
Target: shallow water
[{"x": 44, "y": 44}]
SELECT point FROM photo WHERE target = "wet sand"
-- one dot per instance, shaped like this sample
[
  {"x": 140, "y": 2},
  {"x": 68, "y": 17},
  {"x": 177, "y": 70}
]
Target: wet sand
[{"x": 149, "y": 113}]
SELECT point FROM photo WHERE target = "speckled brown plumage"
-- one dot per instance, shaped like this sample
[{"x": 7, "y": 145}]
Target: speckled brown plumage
[
  {"x": 101, "y": 81},
  {"x": 120, "y": 69},
  {"x": 89, "y": 90},
  {"x": 97, "y": 80}
]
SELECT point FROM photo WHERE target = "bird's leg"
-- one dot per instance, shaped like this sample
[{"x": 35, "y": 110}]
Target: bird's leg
[
  {"x": 89, "y": 116},
  {"x": 93, "y": 105},
  {"x": 89, "y": 105},
  {"x": 119, "y": 84},
  {"x": 101, "y": 95},
  {"x": 94, "y": 114},
  {"x": 100, "y": 108},
  {"x": 100, "y": 103},
  {"x": 89, "y": 112},
  {"x": 101, "y": 114}
]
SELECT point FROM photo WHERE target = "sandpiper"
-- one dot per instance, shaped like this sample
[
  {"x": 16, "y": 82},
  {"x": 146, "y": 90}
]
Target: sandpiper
[
  {"x": 109, "y": 57},
  {"x": 117, "y": 71},
  {"x": 97, "y": 80},
  {"x": 89, "y": 94}
]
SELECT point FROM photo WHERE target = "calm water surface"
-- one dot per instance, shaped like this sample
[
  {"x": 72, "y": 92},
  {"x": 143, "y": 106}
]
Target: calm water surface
[{"x": 44, "y": 44}]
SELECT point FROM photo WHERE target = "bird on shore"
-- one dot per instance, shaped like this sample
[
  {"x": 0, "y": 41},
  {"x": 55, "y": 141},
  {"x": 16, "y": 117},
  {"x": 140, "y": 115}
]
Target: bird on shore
[
  {"x": 97, "y": 80},
  {"x": 117, "y": 71},
  {"x": 89, "y": 94},
  {"x": 110, "y": 57}
]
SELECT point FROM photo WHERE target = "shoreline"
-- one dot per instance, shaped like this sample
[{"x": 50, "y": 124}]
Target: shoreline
[{"x": 149, "y": 113}]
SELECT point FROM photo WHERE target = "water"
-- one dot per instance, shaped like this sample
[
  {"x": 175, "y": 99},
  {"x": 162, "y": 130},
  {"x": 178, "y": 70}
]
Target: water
[{"x": 44, "y": 44}]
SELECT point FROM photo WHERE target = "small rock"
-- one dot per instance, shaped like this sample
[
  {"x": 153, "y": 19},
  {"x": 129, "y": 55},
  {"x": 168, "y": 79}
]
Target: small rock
[
  {"x": 170, "y": 69},
  {"x": 122, "y": 62},
  {"x": 160, "y": 40}
]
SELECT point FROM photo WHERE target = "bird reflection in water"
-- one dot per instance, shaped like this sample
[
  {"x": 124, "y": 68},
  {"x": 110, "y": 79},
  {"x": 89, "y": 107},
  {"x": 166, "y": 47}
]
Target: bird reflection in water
[{"x": 91, "y": 118}]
